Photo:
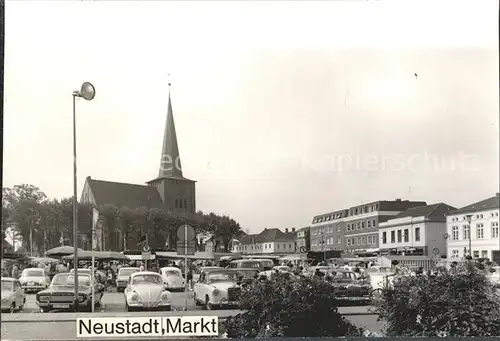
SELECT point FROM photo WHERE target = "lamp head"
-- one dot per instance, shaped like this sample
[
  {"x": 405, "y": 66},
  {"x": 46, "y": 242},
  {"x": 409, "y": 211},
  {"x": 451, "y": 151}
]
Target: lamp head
[{"x": 87, "y": 91}]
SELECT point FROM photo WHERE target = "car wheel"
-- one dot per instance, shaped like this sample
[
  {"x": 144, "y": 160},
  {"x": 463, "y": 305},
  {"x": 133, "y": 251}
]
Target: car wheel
[
  {"x": 167, "y": 308},
  {"x": 12, "y": 307},
  {"x": 208, "y": 305},
  {"x": 195, "y": 300},
  {"x": 130, "y": 309},
  {"x": 376, "y": 296}
]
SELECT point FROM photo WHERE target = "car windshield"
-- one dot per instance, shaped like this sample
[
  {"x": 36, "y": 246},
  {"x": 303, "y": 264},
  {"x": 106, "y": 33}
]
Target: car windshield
[
  {"x": 127, "y": 272},
  {"x": 33, "y": 273},
  {"x": 341, "y": 275},
  {"x": 247, "y": 273},
  {"x": 172, "y": 272},
  {"x": 221, "y": 276},
  {"x": 7, "y": 285},
  {"x": 69, "y": 280},
  {"x": 145, "y": 279},
  {"x": 249, "y": 265}
]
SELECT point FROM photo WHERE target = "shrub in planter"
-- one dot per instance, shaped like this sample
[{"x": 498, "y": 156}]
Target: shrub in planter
[
  {"x": 284, "y": 305},
  {"x": 458, "y": 302}
]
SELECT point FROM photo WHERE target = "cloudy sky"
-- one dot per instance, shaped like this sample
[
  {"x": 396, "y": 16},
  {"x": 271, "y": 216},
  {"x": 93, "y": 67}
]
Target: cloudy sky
[{"x": 283, "y": 110}]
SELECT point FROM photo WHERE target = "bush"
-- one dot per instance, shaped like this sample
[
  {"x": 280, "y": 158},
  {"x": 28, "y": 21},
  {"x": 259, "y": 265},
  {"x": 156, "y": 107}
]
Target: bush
[
  {"x": 290, "y": 307},
  {"x": 456, "y": 302}
]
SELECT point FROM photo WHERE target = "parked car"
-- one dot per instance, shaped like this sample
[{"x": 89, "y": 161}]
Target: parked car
[
  {"x": 60, "y": 294},
  {"x": 146, "y": 291},
  {"x": 99, "y": 275},
  {"x": 199, "y": 271},
  {"x": 13, "y": 297},
  {"x": 217, "y": 289},
  {"x": 247, "y": 275},
  {"x": 379, "y": 276},
  {"x": 34, "y": 279},
  {"x": 494, "y": 276},
  {"x": 172, "y": 278},
  {"x": 349, "y": 288},
  {"x": 123, "y": 277},
  {"x": 261, "y": 264}
]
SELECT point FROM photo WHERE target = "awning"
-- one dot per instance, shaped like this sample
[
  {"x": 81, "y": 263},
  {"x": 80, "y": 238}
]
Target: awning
[
  {"x": 174, "y": 255},
  {"x": 139, "y": 257}
]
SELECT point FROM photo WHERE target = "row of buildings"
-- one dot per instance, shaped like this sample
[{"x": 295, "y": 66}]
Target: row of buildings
[{"x": 397, "y": 227}]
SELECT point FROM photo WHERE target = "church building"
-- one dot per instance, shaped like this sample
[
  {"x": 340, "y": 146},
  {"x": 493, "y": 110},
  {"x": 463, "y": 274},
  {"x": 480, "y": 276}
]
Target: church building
[{"x": 169, "y": 191}]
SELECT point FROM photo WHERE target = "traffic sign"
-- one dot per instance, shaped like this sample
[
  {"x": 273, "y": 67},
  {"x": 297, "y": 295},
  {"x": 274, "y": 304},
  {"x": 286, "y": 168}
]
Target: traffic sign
[
  {"x": 435, "y": 251},
  {"x": 146, "y": 248},
  {"x": 303, "y": 249},
  {"x": 186, "y": 232},
  {"x": 186, "y": 248}
]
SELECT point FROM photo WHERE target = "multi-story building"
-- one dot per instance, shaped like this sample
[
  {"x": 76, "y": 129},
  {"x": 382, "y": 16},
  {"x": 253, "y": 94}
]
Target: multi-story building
[
  {"x": 327, "y": 231},
  {"x": 417, "y": 231},
  {"x": 269, "y": 241},
  {"x": 302, "y": 240},
  {"x": 362, "y": 221},
  {"x": 476, "y": 227}
]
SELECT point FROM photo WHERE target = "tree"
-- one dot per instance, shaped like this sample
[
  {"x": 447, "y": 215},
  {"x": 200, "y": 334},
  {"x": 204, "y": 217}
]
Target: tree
[{"x": 222, "y": 228}]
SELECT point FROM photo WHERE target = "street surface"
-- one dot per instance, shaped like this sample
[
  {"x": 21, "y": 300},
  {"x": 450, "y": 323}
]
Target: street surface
[{"x": 31, "y": 325}]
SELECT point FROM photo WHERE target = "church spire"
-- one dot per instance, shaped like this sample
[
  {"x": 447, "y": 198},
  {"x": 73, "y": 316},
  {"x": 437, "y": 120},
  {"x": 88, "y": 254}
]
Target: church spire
[{"x": 170, "y": 158}]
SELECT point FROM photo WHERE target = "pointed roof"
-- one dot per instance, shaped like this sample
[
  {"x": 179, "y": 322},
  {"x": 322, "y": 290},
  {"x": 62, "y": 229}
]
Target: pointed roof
[
  {"x": 170, "y": 164},
  {"x": 124, "y": 195},
  {"x": 483, "y": 205},
  {"x": 267, "y": 236},
  {"x": 431, "y": 212}
]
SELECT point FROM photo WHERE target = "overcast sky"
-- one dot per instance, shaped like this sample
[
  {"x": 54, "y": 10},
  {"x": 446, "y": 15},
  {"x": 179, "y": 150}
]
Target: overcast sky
[{"x": 283, "y": 110}]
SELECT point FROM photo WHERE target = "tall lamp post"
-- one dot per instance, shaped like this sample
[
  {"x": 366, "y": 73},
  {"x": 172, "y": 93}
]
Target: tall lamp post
[
  {"x": 86, "y": 92},
  {"x": 469, "y": 218}
]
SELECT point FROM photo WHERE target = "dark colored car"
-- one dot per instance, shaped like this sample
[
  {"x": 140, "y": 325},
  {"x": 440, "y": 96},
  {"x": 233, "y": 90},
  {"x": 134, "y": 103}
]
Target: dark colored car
[
  {"x": 349, "y": 287},
  {"x": 60, "y": 294},
  {"x": 261, "y": 264}
]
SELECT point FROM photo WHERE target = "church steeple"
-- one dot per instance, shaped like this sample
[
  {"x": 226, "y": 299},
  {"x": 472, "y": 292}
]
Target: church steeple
[{"x": 170, "y": 165}]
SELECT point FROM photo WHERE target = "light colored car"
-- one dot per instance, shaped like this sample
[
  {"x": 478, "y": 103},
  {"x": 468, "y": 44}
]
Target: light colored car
[
  {"x": 218, "y": 288},
  {"x": 146, "y": 291},
  {"x": 199, "y": 271},
  {"x": 495, "y": 276},
  {"x": 279, "y": 268},
  {"x": 379, "y": 276},
  {"x": 172, "y": 278},
  {"x": 13, "y": 297},
  {"x": 123, "y": 277},
  {"x": 34, "y": 279}
]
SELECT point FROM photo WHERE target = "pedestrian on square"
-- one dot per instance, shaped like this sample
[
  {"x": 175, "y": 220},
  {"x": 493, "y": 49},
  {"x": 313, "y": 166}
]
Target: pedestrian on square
[{"x": 15, "y": 271}]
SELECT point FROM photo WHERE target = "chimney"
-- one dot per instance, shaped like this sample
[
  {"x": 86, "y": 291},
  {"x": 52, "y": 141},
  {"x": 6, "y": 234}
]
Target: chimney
[
  {"x": 286, "y": 230},
  {"x": 293, "y": 229}
]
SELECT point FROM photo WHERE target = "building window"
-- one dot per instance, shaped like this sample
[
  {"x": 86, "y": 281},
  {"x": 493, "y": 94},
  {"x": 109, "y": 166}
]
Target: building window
[
  {"x": 393, "y": 237},
  {"x": 348, "y": 241},
  {"x": 357, "y": 226},
  {"x": 479, "y": 231},
  {"x": 374, "y": 239},
  {"x": 494, "y": 230},
  {"x": 466, "y": 231},
  {"x": 454, "y": 232},
  {"x": 278, "y": 246},
  {"x": 417, "y": 234},
  {"x": 369, "y": 224},
  {"x": 339, "y": 240},
  {"x": 476, "y": 254},
  {"x": 362, "y": 241},
  {"x": 384, "y": 237},
  {"x": 374, "y": 224},
  {"x": 362, "y": 224},
  {"x": 484, "y": 254},
  {"x": 399, "y": 236},
  {"x": 406, "y": 236},
  {"x": 338, "y": 228},
  {"x": 455, "y": 253},
  {"x": 176, "y": 203},
  {"x": 185, "y": 203},
  {"x": 290, "y": 246}
]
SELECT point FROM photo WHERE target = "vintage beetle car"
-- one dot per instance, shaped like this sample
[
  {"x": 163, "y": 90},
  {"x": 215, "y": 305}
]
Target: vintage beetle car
[
  {"x": 199, "y": 271},
  {"x": 60, "y": 294},
  {"x": 218, "y": 288},
  {"x": 146, "y": 291},
  {"x": 172, "y": 278},
  {"x": 349, "y": 288},
  {"x": 123, "y": 277},
  {"x": 34, "y": 279},
  {"x": 13, "y": 297}
]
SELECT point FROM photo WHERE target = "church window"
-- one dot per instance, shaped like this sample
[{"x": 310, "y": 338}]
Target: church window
[
  {"x": 180, "y": 203},
  {"x": 176, "y": 203},
  {"x": 185, "y": 203}
]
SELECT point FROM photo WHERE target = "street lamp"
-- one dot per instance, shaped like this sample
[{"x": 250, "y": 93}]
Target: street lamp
[
  {"x": 87, "y": 92},
  {"x": 469, "y": 217}
]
